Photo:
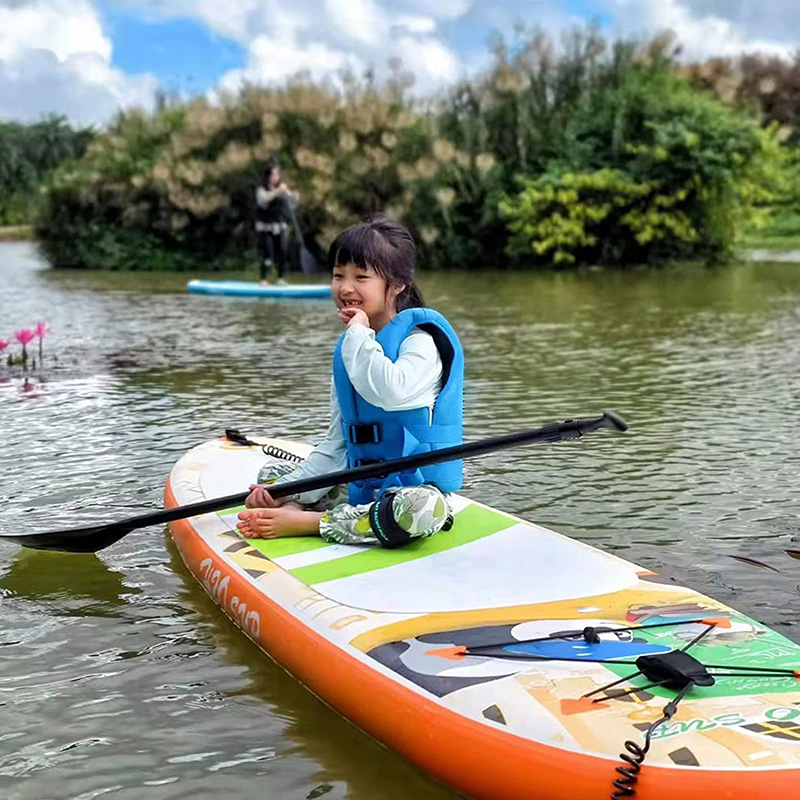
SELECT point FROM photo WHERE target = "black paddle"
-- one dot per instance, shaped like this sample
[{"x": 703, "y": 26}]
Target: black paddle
[
  {"x": 308, "y": 264},
  {"x": 96, "y": 537}
]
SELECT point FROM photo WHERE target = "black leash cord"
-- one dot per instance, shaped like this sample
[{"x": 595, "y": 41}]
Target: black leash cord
[
  {"x": 279, "y": 452},
  {"x": 635, "y": 755},
  {"x": 234, "y": 435}
]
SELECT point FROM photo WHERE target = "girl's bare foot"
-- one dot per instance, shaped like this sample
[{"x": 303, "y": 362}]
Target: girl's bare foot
[{"x": 274, "y": 523}]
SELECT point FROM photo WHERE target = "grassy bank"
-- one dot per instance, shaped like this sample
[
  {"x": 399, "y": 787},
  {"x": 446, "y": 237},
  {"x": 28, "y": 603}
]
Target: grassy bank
[
  {"x": 16, "y": 233},
  {"x": 781, "y": 233}
]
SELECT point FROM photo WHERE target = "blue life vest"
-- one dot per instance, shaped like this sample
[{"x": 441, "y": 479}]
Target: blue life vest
[{"x": 372, "y": 434}]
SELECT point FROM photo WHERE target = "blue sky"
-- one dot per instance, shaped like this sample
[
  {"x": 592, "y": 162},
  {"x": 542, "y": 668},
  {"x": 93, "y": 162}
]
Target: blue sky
[
  {"x": 86, "y": 59},
  {"x": 184, "y": 54},
  {"x": 187, "y": 55}
]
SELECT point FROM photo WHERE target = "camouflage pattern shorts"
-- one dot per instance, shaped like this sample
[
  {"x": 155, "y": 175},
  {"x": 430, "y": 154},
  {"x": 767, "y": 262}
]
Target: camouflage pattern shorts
[{"x": 421, "y": 511}]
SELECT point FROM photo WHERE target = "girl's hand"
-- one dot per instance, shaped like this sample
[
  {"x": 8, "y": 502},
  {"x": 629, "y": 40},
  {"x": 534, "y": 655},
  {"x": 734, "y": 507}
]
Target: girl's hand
[
  {"x": 260, "y": 498},
  {"x": 353, "y": 316}
]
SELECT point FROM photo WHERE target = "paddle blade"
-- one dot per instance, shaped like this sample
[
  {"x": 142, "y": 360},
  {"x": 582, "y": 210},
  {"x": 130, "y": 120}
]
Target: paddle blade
[
  {"x": 71, "y": 540},
  {"x": 308, "y": 263}
]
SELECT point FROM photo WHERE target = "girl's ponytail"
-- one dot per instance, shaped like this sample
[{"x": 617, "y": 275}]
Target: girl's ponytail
[{"x": 410, "y": 297}]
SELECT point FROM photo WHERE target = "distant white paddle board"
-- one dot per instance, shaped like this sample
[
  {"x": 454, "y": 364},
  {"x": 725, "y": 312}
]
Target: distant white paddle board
[{"x": 253, "y": 289}]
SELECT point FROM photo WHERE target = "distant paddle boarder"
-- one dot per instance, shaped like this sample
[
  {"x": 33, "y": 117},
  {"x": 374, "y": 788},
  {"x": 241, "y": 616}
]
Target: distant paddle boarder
[{"x": 274, "y": 201}]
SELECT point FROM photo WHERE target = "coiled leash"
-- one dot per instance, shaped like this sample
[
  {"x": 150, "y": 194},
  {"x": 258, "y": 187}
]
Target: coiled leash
[
  {"x": 676, "y": 670},
  {"x": 635, "y": 755},
  {"x": 267, "y": 449}
]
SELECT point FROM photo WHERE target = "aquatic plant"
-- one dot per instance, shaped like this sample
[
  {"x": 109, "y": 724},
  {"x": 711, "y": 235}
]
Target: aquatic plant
[
  {"x": 39, "y": 331},
  {"x": 24, "y": 337}
]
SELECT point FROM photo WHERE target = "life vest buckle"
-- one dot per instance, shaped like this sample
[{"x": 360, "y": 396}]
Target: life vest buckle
[{"x": 364, "y": 434}]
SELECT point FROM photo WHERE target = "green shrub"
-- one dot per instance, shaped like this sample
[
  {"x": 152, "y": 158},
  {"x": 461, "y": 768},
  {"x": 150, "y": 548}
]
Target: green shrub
[
  {"x": 602, "y": 216},
  {"x": 650, "y": 170},
  {"x": 28, "y": 153}
]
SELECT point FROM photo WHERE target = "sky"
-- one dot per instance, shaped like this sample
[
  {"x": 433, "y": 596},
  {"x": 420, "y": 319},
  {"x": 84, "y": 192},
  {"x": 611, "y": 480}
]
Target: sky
[{"x": 87, "y": 59}]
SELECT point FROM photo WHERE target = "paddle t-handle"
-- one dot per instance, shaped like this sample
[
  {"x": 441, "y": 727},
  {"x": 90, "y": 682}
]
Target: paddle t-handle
[{"x": 93, "y": 538}]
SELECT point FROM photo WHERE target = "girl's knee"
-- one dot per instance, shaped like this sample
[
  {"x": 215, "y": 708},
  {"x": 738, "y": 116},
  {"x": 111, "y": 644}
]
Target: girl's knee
[{"x": 420, "y": 510}]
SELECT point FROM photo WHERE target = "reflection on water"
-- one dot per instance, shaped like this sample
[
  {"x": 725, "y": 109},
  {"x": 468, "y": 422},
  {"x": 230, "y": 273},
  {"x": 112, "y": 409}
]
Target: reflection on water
[
  {"x": 79, "y": 586},
  {"x": 152, "y": 687}
]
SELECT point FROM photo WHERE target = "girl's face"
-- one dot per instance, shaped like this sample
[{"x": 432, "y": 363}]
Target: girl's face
[
  {"x": 363, "y": 288},
  {"x": 274, "y": 177}
]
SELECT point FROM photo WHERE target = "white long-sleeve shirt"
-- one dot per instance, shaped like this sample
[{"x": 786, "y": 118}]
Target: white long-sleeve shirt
[{"x": 412, "y": 381}]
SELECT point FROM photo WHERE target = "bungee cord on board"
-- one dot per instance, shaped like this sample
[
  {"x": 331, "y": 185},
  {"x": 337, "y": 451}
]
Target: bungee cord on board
[{"x": 675, "y": 669}]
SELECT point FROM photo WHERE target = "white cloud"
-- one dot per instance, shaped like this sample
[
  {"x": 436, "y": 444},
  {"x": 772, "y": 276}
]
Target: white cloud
[
  {"x": 273, "y": 61},
  {"x": 241, "y": 21},
  {"x": 703, "y": 31},
  {"x": 82, "y": 87},
  {"x": 324, "y": 36},
  {"x": 445, "y": 9},
  {"x": 772, "y": 21},
  {"x": 61, "y": 27},
  {"x": 415, "y": 24},
  {"x": 282, "y": 37},
  {"x": 54, "y": 58},
  {"x": 55, "y": 55},
  {"x": 433, "y": 64},
  {"x": 359, "y": 19}
]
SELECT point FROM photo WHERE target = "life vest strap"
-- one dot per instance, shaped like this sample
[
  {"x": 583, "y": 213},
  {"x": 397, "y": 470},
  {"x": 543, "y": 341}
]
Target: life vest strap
[{"x": 436, "y": 433}]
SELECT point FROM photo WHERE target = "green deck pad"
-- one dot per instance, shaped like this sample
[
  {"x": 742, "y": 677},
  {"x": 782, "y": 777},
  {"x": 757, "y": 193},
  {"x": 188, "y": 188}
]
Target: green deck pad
[
  {"x": 228, "y": 511},
  {"x": 277, "y": 548},
  {"x": 473, "y": 523}
]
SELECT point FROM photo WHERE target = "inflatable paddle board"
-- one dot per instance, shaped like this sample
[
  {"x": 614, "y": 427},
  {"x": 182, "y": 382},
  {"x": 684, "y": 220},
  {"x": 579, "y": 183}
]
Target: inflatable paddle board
[
  {"x": 501, "y": 657},
  {"x": 253, "y": 289}
]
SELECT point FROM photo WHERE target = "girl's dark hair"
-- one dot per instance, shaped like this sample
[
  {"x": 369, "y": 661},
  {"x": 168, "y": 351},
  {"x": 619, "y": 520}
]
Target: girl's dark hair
[{"x": 388, "y": 248}]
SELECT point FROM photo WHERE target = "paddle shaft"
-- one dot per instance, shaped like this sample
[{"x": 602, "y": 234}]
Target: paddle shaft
[
  {"x": 306, "y": 259},
  {"x": 556, "y": 432},
  {"x": 91, "y": 539}
]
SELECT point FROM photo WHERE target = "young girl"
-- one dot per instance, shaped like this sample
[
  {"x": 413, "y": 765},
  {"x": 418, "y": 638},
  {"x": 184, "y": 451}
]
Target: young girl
[{"x": 397, "y": 390}]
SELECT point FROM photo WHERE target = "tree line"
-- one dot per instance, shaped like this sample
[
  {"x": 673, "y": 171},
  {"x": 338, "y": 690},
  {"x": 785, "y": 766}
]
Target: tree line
[{"x": 579, "y": 152}]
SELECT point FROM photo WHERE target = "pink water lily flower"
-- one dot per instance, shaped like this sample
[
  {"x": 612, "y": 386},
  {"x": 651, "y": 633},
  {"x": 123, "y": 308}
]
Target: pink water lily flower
[
  {"x": 24, "y": 337},
  {"x": 3, "y": 344}
]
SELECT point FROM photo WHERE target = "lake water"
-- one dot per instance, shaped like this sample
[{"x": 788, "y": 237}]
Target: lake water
[{"x": 118, "y": 676}]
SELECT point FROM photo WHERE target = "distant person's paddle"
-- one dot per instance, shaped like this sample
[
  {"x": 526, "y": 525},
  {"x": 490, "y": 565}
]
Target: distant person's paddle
[
  {"x": 96, "y": 537},
  {"x": 308, "y": 264}
]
